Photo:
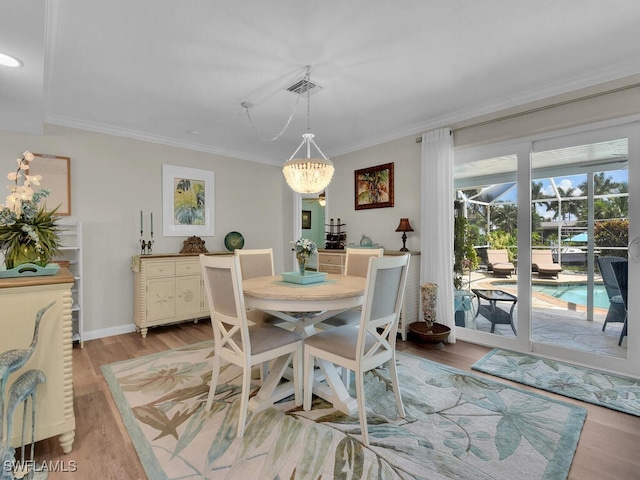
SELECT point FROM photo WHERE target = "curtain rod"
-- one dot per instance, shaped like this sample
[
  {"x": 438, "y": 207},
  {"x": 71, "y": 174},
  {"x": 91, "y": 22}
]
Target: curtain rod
[{"x": 540, "y": 109}]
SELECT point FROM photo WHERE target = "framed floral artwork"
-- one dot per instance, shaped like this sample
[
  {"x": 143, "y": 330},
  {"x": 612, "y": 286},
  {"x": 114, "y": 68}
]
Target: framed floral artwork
[
  {"x": 187, "y": 201},
  {"x": 374, "y": 187}
]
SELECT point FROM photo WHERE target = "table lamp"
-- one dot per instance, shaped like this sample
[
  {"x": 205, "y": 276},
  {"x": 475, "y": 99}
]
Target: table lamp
[{"x": 404, "y": 227}]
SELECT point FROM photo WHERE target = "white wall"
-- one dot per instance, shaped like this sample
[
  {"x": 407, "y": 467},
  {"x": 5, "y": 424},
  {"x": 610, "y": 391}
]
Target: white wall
[
  {"x": 113, "y": 178},
  {"x": 379, "y": 224}
]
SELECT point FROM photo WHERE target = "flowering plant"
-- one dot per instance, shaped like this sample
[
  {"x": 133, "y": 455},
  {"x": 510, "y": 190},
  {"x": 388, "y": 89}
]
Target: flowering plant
[
  {"x": 28, "y": 233},
  {"x": 304, "y": 248}
]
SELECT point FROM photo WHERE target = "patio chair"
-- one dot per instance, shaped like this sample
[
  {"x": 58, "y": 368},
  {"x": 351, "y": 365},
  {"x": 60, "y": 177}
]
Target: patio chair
[
  {"x": 621, "y": 271},
  {"x": 616, "y": 312},
  {"x": 498, "y": 263},
  {"x": 542, "y": 262}
]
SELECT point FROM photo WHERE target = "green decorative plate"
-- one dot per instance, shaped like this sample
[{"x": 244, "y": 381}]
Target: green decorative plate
[{"x": 233, "y": 240}]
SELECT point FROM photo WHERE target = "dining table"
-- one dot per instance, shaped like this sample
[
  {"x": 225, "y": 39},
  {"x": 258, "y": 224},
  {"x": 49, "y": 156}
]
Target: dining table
[{"x": 303, "y": 306}]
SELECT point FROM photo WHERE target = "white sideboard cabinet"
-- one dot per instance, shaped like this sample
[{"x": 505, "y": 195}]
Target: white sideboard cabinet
[
  {"x": 20, "y": 301},
  {"x": 167, "y": 289}
]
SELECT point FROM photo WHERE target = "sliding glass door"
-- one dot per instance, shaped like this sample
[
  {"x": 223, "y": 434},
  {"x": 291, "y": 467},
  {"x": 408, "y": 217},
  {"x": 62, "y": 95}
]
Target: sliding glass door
[{"x": 562, "y": 209}]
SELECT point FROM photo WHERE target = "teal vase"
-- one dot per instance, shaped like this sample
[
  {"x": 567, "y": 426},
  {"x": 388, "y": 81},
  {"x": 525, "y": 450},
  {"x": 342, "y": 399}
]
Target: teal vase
[{"x": 301, "y": 265}]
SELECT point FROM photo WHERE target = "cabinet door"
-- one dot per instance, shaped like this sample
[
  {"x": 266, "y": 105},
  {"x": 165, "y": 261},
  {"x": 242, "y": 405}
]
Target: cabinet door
[
  {"x": 161, "y": 302},
  {"x": 188, "y": 295}
]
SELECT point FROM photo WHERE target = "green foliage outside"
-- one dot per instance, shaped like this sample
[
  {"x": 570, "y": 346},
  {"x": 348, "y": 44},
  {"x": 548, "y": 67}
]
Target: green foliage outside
[
  {"x": 612, "y": 233},
  {"x": 503, "y": 240}
]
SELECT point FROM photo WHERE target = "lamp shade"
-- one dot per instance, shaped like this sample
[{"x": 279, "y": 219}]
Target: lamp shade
[{"x": 404, "y": 226}]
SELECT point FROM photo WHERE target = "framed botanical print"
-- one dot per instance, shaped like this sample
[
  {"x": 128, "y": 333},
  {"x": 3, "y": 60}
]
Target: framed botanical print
[
  {"x": 374, "y": 187},
  {"x": 187, "y": 201}
]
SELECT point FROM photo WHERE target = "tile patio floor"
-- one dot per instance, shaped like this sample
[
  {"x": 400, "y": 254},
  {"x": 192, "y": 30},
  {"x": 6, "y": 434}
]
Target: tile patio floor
[{"x": 554, "y": 324}]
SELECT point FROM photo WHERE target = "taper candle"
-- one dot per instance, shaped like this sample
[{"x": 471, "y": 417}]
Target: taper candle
[
  {"x": 152, "y": 224},
  {"x": 141, "y": 229}
]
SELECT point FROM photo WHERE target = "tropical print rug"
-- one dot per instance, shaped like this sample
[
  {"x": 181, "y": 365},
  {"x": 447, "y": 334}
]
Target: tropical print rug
[
  {"x": 604, "y": 389},
  {"x": 457, "y": 425}
]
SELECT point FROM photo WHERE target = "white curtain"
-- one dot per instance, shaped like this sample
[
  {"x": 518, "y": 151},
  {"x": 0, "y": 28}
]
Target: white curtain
[{"x": 436, "y": 225}]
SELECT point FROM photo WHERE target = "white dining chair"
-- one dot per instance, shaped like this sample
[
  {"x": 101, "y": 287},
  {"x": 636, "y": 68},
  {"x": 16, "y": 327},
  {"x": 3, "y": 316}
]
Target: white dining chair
[
  {"x": 257, "y": 262},
  {"x": 357, "y": 265},
  {"x": 370, "y": 345},
  {"x": 243, "y": 345}
]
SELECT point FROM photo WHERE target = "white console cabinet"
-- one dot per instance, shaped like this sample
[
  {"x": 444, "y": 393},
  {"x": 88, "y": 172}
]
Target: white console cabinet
[
  {"x": 167, "y": 289},
  {"x": 20, "y": 301}
]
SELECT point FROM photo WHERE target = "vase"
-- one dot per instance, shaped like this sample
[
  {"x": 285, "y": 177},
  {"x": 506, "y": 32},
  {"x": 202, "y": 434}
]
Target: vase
[
  {"x": 24, "y": 253},
  {"x": 429, "y": 294},
  {"x": 301, "y": 265}
]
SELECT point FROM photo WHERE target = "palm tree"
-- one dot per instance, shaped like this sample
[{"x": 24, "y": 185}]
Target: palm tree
[
  {"x": 602, "y": 185},
  {"x": 570, "y": 208},
  {"x": 505, "y": 217}
]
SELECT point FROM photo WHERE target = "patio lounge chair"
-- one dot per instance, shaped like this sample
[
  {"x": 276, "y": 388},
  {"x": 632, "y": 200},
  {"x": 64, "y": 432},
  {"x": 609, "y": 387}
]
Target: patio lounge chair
[
  {"x": 498, "y": 263},
  {"x": 617, "y": 312},
  {"x": 621, "y": 272},
  {"x": 542, "y": 262}
]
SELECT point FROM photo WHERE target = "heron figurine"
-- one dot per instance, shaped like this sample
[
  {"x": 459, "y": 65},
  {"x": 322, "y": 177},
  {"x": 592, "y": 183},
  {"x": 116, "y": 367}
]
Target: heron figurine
[{"x": 21, "y": 390}]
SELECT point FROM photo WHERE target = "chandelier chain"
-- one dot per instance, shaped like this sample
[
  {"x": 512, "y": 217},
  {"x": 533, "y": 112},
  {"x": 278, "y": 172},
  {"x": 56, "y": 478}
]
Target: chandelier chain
[{"x": 307, "y": 77}]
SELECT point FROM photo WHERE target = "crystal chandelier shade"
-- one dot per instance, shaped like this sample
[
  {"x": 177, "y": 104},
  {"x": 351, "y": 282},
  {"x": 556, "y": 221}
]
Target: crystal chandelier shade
[{"x": 308, "y": 175}]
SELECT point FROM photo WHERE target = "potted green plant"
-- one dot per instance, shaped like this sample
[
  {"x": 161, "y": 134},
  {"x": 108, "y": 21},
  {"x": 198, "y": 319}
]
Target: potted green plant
[
  {"x": 465, "y": 256},
  {"x": 28, "y": 232}
]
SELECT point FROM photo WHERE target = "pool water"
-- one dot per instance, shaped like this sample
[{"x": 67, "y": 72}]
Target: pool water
[{"x": 576, "y": 293}]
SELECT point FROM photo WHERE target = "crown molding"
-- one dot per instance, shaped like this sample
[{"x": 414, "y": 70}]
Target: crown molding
[{"x": 151, "y": 138}]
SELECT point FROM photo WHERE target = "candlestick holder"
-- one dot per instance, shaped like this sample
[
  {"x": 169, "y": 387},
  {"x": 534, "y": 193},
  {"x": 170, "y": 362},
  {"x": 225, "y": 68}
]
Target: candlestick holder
[{"x": 145, "y": 246}]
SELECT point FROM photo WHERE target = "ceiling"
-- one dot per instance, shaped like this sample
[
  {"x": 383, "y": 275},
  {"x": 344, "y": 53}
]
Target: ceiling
[{"x": 158, "y": 69}]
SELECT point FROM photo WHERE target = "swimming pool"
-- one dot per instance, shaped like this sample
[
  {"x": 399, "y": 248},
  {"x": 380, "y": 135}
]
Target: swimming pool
[{"x": 575, "y": 293}]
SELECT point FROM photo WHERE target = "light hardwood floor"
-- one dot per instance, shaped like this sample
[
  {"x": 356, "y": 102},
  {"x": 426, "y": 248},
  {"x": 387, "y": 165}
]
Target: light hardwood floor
[{"x": 609, "y": 445}]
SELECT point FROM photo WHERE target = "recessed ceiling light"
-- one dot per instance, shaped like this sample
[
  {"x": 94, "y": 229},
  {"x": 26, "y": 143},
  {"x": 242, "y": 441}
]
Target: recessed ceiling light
[
  {"x": 193, "y": 132},
  {"x": 9, "y": 61}
]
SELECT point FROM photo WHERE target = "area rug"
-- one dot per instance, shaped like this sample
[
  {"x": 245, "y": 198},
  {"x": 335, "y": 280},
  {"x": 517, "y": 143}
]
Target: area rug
[
  {"x": 604, "y": 389},
  {"x": 457, "y": 425}
]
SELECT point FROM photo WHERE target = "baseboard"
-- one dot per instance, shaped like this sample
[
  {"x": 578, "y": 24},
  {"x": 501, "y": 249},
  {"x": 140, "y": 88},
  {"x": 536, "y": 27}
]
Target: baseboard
[{"x": 109, "y": 332}]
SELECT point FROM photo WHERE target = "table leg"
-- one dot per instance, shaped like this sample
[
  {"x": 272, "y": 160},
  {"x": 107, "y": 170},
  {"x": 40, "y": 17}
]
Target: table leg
[
  {"x": 334, "y": 391},
  {"x": 272, "y": 390}
]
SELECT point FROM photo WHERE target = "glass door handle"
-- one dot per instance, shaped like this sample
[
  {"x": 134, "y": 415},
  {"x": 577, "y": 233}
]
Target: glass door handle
[{"x": 634, "y": 249}]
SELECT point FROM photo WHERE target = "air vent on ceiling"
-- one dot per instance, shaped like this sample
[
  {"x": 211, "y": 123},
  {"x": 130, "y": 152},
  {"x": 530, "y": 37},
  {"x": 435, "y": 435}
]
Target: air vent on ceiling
[{"x": 303, "y": 86}]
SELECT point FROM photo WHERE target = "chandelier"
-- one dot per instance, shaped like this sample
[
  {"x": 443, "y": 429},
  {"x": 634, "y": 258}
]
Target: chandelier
[
  {"x": 304, "y": 174},
  {"x": 307, "y": 174}
]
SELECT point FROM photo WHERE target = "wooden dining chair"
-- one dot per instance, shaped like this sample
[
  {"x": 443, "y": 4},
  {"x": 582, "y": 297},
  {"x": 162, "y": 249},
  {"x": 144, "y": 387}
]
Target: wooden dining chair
[
  {"x": 357, "y": 265},
  {"x": 243, "y": 345},
  {"x": 370, "y": 345}
]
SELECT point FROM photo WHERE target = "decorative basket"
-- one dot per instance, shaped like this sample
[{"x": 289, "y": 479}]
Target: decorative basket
[{"x": 62, "y": 263}]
